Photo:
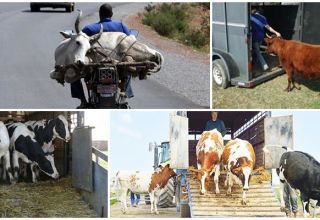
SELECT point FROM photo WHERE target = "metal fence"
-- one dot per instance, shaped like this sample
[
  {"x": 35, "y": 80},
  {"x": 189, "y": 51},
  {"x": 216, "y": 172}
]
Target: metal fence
[{"x": 90, "y": 170}]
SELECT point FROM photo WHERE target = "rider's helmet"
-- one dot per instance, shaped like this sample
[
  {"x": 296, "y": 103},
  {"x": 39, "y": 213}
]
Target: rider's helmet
[{"x": 105, "y": 11}]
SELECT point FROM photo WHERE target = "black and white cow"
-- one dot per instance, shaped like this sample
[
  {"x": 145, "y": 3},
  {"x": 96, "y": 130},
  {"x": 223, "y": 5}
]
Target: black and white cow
[
  {"x": 47, "y": 131},
  {"x": 301, "y": 171},
  {"x": 5, "y": 153},
  {"x": 24, "y": 146}
]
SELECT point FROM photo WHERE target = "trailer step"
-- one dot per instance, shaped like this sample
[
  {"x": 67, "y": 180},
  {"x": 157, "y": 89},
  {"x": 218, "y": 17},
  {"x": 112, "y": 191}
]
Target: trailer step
[{"x": 261, "y": 201}]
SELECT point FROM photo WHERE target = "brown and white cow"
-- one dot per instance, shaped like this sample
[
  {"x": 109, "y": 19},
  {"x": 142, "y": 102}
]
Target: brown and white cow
[
  {"x": 143, "y": 183},
  {"x": 238, "y": 159},
  {"x": 209, "y": 150}
]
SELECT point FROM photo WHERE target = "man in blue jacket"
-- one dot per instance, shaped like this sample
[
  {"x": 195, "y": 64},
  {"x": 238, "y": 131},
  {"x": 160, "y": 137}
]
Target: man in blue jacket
[
  {"x": 259, "y": 24},
  {"x": 105, "y": 14},
  {"x": 216, "y": 123}
]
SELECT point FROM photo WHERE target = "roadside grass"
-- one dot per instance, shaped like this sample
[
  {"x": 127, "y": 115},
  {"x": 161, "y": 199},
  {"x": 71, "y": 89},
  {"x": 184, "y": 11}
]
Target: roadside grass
[
  {"x": 187, "y": 23},
  {"x": 269, "y": 95},
  {"x": 113, "y": 201}
]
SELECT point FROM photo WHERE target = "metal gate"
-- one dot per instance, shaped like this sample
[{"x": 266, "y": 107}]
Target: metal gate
[{"x": 90, "y": 170}]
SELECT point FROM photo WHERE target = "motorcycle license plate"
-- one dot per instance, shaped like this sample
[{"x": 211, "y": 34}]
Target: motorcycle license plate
[{"x": 106, "y": 89}]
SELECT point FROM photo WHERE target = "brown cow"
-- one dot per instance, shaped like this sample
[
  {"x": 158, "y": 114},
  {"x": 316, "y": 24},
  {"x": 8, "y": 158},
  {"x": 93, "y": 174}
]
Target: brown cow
[
  {"x": 297, "y": 57},
  {"x": 209, "y": 150}
]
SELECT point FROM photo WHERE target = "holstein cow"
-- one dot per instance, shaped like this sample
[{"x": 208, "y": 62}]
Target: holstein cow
[
  {"x": 5, "y": 153},
  {"x": 238, "y": 159},
  {"x": 297, "y": 57},
  {"x": 118, "y": 46},
  {"x": 24, "y": 146},
  {"x": 301, "y": 171},
  {"x": 143, "y": 183},
  {"x": 209, "y": 150},
  {"x": 46, "y": 131}
]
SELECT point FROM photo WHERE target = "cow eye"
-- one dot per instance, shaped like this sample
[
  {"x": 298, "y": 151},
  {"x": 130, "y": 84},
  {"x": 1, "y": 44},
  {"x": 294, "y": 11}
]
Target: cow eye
[{"x": 78, "y": 43}]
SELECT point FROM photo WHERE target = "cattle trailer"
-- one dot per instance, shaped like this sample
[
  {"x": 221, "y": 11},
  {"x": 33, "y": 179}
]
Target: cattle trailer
[
  {"x": 260, "y": 129},
  {"x": 232, "y": 54}
]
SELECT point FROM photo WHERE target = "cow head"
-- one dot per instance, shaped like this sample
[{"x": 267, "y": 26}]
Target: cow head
[
  {"x": 73, "y": 50},
  {"x": 273, "y": 44},
  {"x": 141, "y": 52},
  {"x": 242, "y": 169},
  {"x": 46, "y": 164},
  {"x": 167, "y": 171},
  {"x": 61, "y": 129},
  {"x": 45, "y": 161}
]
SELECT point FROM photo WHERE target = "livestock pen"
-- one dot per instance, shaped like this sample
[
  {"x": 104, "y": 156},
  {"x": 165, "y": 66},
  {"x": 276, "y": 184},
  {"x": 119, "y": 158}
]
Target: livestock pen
[{"x": 64, "y": 197}]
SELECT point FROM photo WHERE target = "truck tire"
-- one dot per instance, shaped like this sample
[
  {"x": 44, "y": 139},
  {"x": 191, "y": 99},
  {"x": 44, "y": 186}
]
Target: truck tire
[
  {"x": 165, "y": 199},
  {"x": 147, "y": 199},
  {"x": 219, "y": 74}
]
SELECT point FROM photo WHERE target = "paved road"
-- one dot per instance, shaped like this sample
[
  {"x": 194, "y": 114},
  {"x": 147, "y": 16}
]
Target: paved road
[{"x": 27, "y": 45}]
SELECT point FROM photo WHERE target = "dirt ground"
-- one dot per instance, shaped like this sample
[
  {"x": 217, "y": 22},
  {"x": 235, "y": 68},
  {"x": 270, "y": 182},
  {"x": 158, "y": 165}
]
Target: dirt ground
[
  {"x": 43, "y": 199},
  {"x": 142, "y": 211}
]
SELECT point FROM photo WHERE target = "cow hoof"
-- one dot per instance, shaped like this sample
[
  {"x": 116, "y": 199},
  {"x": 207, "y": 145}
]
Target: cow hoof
[
  {"x": 244, "y": 202},
  {"x": 202, "y": 193},
  {"x": 217, "y": 191},
  {"x": 282, "y": 209}
]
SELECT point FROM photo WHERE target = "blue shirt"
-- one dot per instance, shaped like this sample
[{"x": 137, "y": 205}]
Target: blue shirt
[
  {"x": 258, "y": 26},
  {"x": 217, "y": 124},
  {"x": 108, "y": 26}
]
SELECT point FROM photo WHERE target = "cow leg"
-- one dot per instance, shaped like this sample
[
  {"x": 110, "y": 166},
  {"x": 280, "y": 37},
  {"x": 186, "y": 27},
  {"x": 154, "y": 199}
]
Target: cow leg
[
  {"x": 230, "y": 183},
  {"x": 282, "y": 208},
  {"x": 15, "y": 162},
  {"x": 203, "y": 180},
  {"x": 33, "y": 171},
  {"x": 123, "y": 200},
  {"x": 151, "y": 201},
  {"x": 294, "y": 85},
  {"x": 155, "y": 202},
  {"x": 290, "y": 77},
  {"x": 8, "y": 168},
  {"x": 244, "y": 197},
  {"x": 216, "y": 177},
  {"x": 305, "y": 203}
]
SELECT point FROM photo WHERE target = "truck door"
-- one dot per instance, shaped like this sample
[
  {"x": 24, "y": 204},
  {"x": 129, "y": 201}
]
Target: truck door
[
  {"x": 179, "y": 143},
  {"x": 230, "y": 33},
  {"x": 278, "y": 132}
]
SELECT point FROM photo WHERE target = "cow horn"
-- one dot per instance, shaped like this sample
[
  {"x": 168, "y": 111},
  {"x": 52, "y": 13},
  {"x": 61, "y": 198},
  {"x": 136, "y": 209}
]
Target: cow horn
[
  {"x": 76, "y": 25},
  {"x": 268, "y": 36},
  {"x": 96, "y": 37}
]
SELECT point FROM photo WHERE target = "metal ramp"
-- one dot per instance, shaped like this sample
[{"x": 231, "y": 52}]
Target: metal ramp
[{"x": 261, "y": 201}]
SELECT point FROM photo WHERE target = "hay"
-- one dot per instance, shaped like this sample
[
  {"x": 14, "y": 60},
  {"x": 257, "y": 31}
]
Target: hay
[
  {"x": 260, "y": 175},
  {"x": 44, "y": 199}
]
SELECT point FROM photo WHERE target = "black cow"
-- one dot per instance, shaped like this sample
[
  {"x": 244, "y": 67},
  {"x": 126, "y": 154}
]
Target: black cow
[
  {"x": 24, "y": 146},
  {"x": 301, "y": 171},
  {"x": 47, "y": 131}
]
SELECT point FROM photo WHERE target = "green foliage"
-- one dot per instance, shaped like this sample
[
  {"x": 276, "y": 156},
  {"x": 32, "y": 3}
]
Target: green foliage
[
  {"x": 172, "y": 20},
  {"x": 167, "y": 19}
]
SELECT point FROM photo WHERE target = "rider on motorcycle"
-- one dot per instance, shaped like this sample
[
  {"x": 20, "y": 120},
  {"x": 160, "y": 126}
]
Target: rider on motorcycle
[{"x": 105, "y": 13}]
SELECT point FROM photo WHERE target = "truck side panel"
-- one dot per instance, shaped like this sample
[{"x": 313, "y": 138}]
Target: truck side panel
[{"x": 230, "y": 33}]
